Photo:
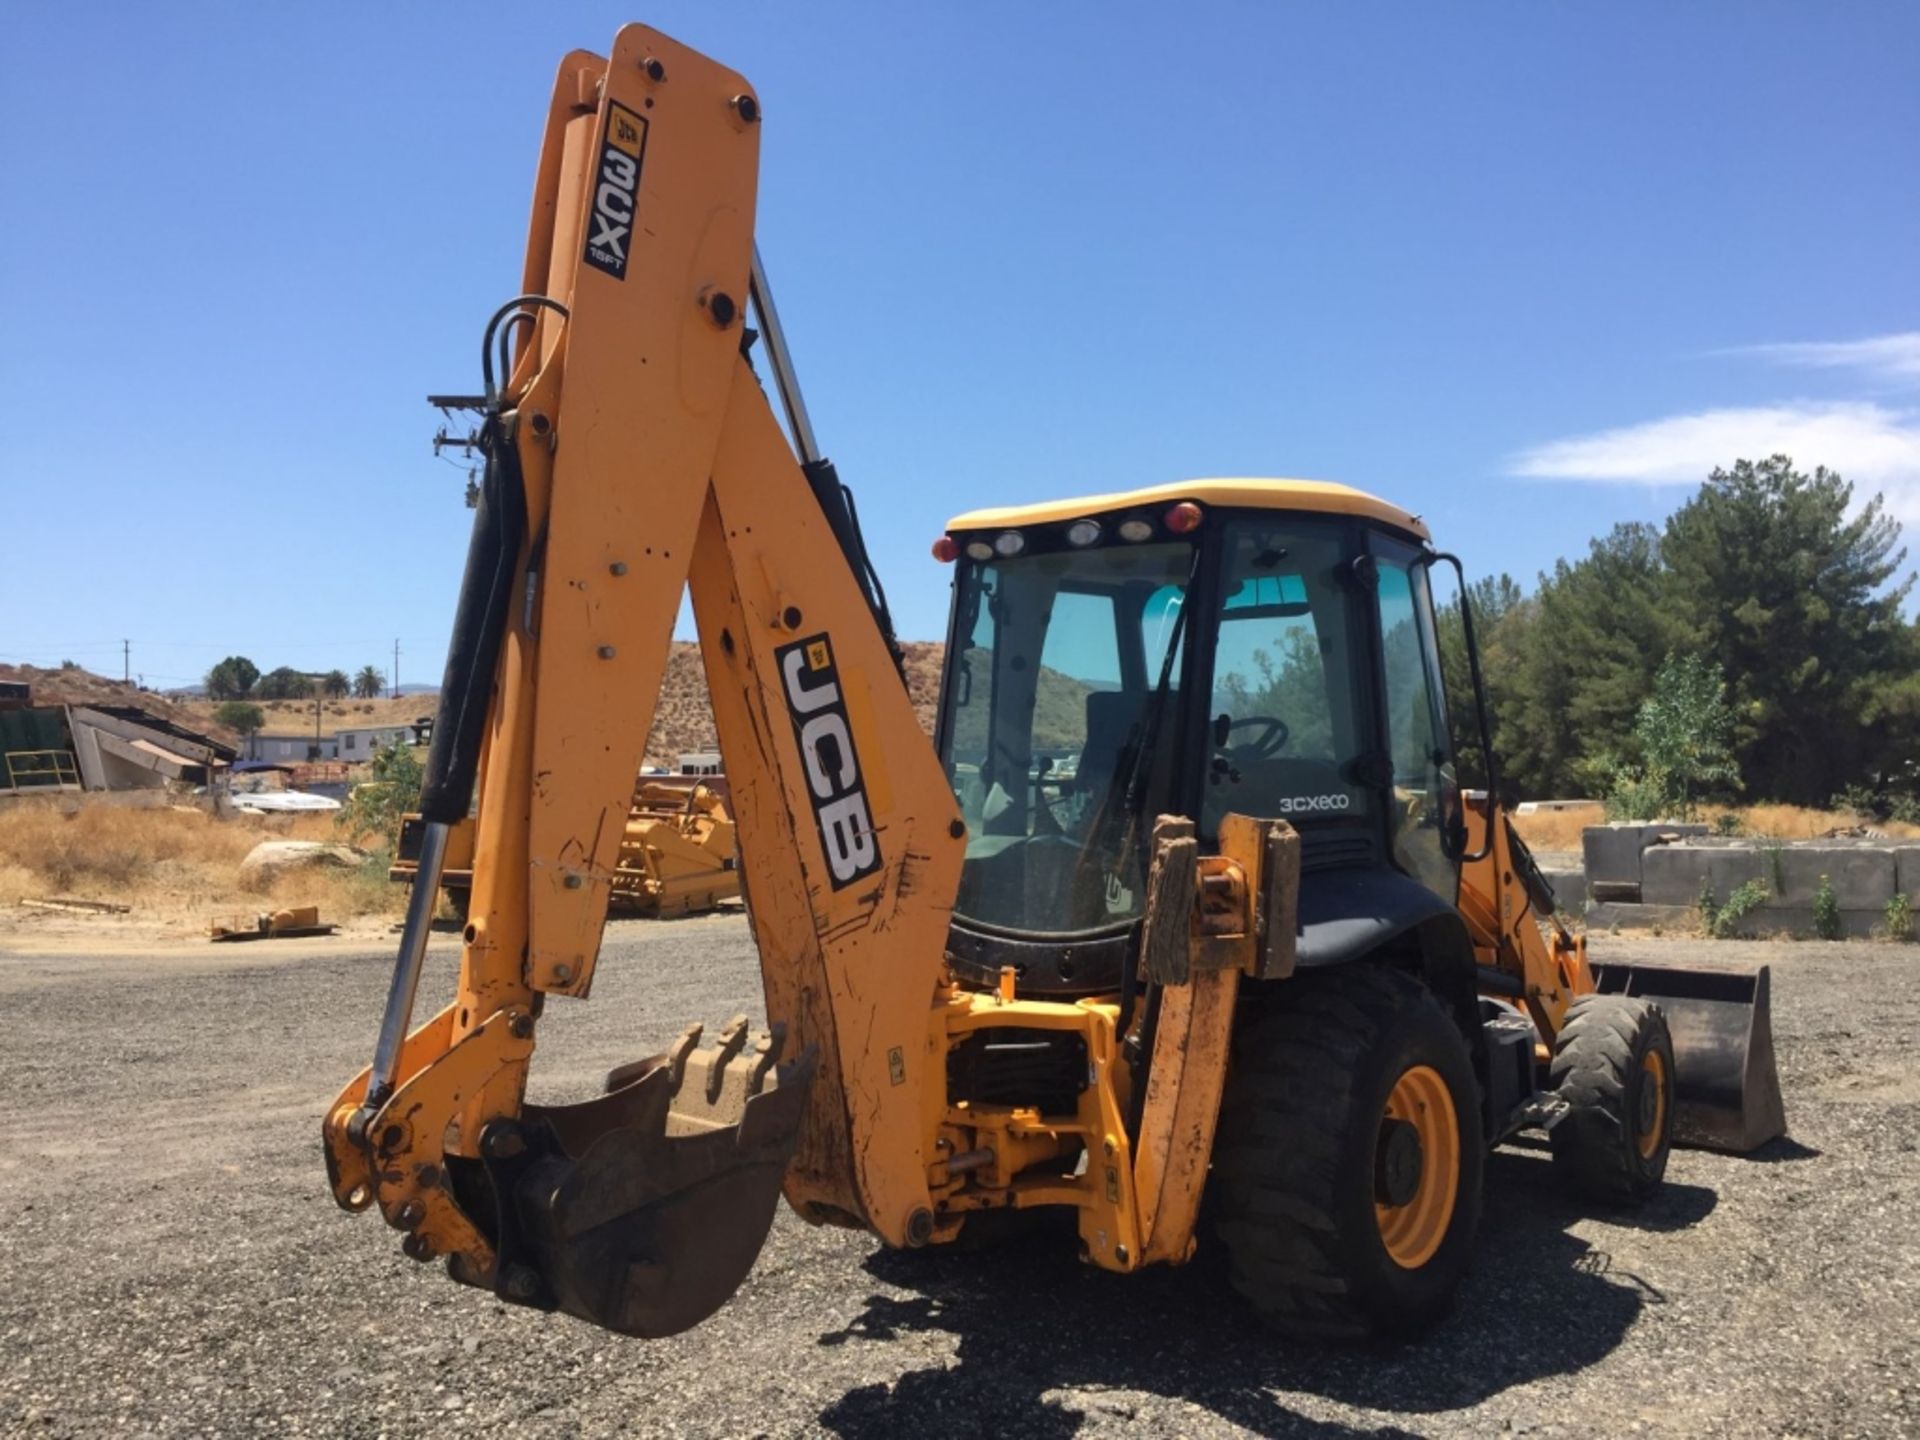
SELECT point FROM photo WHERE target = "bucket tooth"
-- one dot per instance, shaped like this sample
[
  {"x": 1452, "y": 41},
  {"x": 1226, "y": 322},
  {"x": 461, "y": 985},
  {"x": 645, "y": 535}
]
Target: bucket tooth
[
  {"x": 1726, "y": 1083},
  {"x": 683, "y": 1047},
  {"x": 733, "y": 1039}
]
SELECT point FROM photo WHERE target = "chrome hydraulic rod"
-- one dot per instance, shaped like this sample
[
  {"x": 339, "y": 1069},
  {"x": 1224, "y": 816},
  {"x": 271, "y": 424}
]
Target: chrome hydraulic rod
[
  {"x": 780, "y": 359},
  {"x": 406, "y": 970}
]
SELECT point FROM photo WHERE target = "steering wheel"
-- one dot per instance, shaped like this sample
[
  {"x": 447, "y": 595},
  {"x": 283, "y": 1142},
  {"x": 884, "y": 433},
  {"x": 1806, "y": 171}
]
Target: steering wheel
[{"x": 1270, "y": 741}]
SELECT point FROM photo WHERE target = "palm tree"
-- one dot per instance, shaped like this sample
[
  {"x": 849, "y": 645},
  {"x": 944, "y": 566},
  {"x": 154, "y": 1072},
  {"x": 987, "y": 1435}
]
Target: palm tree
[
  {"x": 336, "y": 684},
  {"x": 369, "y": 682}
]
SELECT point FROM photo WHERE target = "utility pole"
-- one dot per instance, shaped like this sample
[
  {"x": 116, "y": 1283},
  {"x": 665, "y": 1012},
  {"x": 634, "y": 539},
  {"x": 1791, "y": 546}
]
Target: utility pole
[
  {"x": 126, "y": 662},
  {"x": 396, "y": 668}
]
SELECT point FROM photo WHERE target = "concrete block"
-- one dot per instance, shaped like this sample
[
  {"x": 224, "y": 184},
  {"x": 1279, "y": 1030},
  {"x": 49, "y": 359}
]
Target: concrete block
[
  {"x": 1612, "y": 852},
  {"x": 1675, "y": 874},
  {"x": 1569, "y": 887},
  {"x": 1906, "y": 871},
  {"x": 1862, "y": 878}
]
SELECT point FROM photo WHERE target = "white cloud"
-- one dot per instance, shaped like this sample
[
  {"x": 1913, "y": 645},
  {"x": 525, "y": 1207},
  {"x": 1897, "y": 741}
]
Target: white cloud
[
  {"x": 1893, "y": 358},
  {"x": 1875, "y": 447}
]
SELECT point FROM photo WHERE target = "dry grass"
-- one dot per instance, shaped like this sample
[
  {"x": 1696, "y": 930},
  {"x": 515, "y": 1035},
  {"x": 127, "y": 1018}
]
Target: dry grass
[
  {"x": 1796, "y": 822},
  {"x": 1560, "y": 829},
  {"x": 176, "y": 863}
]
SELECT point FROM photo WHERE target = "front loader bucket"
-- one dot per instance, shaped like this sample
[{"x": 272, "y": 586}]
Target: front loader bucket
[
  {"x": 1726, "y": 1087},
  {"x": 643, "y": 1210}
]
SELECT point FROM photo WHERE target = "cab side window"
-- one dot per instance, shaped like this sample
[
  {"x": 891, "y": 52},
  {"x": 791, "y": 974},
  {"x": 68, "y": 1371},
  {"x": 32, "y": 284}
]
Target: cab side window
[
  {"x": 1421, "y": 773},
  {"x": 1283, "y": 717}
]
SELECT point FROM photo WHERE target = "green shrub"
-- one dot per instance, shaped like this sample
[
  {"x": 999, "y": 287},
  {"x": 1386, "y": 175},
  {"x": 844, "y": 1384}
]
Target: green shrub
[
  {"x": 1899, "y": 918},
  {"x": 1684, "y": 732},
  {"x": 1861, "y": 801},
  {"x": 1747, "y": 897},
  {"x": 1894, "y": 796},
  {"x": 1728, "y": 823},
  {"x": 376, "y": 807},
  {"x": 1826, "y": 911},
  {"x": 1636, "y": 796},
  {"x": 1709, "y": 907}
]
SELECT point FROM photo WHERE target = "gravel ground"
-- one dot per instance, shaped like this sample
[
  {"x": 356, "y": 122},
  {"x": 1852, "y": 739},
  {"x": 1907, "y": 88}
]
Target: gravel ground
[{"x": 170, "y": 1263}]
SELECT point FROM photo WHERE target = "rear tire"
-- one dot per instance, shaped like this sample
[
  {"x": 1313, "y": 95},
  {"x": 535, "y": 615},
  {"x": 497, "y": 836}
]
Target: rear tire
[
  {"x": 1613, "y": 1065},
  {"x": 1348, "y": 1162}
]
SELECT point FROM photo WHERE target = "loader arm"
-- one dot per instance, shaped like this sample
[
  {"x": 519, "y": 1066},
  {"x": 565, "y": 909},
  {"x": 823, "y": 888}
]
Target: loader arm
[
  {"x": 1524, "y": 952},
  {"x": 631, "y": 453}
]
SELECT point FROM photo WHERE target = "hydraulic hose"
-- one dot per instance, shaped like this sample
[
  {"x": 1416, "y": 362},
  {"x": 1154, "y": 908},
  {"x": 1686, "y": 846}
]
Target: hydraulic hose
[
  {"x": 479, "y": 625},
  {"x": 459, "y": 728}
]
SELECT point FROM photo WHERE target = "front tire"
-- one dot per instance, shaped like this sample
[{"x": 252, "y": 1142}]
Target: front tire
[
  {"x": 1613, "y": 1065},
  {"x": 1348, "y": 1164}
]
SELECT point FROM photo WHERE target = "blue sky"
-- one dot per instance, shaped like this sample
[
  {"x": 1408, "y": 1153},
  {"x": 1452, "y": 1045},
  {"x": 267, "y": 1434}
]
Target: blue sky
[{"x": 1528, "y": 270}]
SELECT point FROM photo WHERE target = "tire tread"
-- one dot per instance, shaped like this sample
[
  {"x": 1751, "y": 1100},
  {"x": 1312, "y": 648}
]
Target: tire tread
[
  {"x": 1593, "y": 1063},
  {"x": 1280, "y": 1141}
]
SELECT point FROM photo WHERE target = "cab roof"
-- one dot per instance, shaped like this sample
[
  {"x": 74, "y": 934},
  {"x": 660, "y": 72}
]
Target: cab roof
[{"x": 1318, "y": 495}]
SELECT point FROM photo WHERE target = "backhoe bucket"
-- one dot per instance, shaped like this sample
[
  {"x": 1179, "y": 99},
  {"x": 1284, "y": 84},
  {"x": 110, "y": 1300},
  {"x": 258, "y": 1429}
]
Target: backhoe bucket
[
  {"x": 1726, "y": 1087},
  {"x": 643, "y": 1210}
]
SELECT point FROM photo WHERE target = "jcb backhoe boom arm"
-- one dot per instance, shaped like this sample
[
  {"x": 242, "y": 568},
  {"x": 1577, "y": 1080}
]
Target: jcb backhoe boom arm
[{"x": 632, "y": 451}]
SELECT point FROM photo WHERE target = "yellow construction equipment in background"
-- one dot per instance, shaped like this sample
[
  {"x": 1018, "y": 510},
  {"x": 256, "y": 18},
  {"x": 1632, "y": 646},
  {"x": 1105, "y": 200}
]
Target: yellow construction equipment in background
[
  {"x": 677, "y": 857},
  {"x": 1184, "y": 896}
]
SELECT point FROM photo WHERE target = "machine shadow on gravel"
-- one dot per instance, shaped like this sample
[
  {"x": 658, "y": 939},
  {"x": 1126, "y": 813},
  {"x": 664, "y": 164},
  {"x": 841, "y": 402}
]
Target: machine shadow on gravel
[
  {"x": 1783, "y": 1151},
  {"x": 1031, "y": 1322}
]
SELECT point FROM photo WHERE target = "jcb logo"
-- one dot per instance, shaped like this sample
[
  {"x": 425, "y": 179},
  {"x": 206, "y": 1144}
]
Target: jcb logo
[
  {"x": 819, "y": 717},
  {"x": 616, "y": 188}
]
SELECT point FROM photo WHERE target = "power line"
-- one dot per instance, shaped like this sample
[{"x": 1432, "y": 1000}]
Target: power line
[{"x": 45, "y": 646}]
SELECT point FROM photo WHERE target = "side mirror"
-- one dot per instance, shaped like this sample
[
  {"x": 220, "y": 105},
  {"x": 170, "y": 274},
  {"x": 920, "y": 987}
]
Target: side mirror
[{"x": 1479, "y": 705}]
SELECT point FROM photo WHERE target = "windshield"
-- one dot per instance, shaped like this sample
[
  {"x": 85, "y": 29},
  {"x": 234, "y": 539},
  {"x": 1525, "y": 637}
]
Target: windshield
[{"x": 1053, "y": 709}]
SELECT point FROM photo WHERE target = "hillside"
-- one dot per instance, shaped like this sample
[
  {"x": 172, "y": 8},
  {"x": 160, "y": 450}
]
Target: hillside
[
  {"x": 295, "y": 717},
  {"x": 70, "y": 685},
  {"x": 684, "y": 720}
]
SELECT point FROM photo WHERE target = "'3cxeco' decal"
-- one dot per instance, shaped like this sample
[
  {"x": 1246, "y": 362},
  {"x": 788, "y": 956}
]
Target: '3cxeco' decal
[
  {"x": 811, "y": 685},
  {"x": 616, "y": 190}
]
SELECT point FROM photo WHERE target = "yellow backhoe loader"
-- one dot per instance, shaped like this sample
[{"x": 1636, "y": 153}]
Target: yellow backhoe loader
[{"x": 1183, "y": 897}]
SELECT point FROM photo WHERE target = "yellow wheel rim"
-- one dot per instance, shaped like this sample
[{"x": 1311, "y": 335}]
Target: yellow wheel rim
[
  {"x": 1413, "y": 1231},
  {"x": 1653, "y": 1071}
]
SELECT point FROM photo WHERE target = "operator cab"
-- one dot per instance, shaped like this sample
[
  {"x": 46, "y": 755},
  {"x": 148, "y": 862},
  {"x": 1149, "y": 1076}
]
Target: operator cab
[{"x": 1265, "y": 647}]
